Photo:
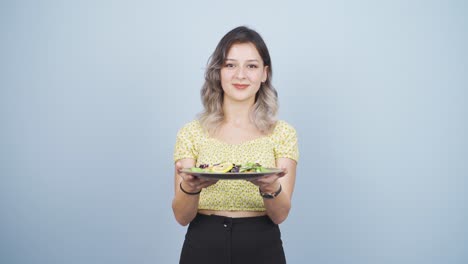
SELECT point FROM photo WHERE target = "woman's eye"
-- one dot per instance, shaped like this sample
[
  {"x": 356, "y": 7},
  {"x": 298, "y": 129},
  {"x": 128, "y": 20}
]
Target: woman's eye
[
  {"x": 252, "y": 66},
  {"x": 229, "y": 65}
]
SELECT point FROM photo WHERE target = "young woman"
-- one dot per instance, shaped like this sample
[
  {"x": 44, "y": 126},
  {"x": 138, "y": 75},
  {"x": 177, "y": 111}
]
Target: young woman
[{"x": 236, "y": 221}]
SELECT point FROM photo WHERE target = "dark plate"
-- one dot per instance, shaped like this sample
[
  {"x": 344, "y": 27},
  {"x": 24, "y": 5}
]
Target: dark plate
[{"x": 233, "y": 175}]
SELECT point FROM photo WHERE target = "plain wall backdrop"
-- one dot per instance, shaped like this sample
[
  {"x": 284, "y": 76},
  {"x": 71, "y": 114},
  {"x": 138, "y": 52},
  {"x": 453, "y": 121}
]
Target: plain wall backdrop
[{"x": 93, "y": 93}]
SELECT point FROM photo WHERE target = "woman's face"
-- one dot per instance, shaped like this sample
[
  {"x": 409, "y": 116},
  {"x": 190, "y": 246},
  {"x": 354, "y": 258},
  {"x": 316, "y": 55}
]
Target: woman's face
[{"x": 242, "y": 73}]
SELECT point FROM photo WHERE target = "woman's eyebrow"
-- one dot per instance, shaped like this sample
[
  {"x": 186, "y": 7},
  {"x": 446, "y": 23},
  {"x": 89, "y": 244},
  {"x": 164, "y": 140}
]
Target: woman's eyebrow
[{"x": 253, "y": 60}]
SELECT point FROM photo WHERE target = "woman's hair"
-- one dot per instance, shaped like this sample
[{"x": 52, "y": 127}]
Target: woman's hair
[{"x": 265, "y": 108}]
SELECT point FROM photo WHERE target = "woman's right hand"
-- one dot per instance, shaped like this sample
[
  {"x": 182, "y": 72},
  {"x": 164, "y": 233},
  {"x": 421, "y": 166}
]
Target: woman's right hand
[
  {"x": 187, "y": 192},
  {"x": 192, "y": 183}
]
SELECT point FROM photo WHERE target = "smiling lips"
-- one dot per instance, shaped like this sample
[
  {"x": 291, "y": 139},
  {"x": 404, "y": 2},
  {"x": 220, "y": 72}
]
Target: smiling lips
[{"x": 240, "y": 86}]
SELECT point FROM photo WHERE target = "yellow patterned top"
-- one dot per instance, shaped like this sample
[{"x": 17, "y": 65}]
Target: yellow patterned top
[{"x": 235, "y": 195}]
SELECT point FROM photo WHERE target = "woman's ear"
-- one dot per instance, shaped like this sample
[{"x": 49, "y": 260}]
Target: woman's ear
[{"x": 265, "y": 74}]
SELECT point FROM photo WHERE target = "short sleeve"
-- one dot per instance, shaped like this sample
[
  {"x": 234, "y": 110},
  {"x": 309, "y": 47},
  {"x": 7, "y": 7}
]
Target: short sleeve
[
  {"x": 285, "y": 140},
  {"x": 186, "y": 146}
]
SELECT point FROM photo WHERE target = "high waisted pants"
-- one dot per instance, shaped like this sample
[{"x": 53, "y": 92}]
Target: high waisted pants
[{"x": 224, "y": 240}]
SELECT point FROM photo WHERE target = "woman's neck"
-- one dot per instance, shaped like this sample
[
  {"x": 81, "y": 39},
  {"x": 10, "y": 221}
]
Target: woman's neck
[{"x": 237, "y": 113}]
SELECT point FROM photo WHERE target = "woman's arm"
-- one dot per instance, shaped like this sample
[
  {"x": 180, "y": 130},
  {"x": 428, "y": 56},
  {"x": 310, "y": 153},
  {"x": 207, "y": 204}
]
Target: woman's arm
[
  {"x": 278, "y": 208},
  {"x": 185, "y": 206}
]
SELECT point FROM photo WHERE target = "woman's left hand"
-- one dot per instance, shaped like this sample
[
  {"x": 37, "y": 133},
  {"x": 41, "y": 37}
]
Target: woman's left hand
[{"x": 269, "y": 183}]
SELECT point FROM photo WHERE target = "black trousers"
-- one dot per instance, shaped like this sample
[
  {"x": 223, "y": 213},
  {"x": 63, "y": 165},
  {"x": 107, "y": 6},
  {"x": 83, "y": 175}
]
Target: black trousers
[{"x": 217, "y": 240}]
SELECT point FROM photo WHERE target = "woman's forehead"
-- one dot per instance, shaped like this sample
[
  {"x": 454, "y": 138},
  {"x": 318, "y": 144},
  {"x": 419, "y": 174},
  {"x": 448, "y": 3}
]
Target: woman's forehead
[{"x": 243, "y": 51}]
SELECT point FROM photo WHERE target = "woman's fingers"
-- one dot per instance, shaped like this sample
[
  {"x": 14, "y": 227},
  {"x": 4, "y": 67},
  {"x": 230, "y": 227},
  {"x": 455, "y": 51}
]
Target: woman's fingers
[
  {"x": 268, "y": 180},
  {"x": 179, "y": 167},
  {"x": 199, "y": 183},
  {"x": 281, "y": 174},
  {"x": 192, "y": 181},
  {"x": 207, "y": 183},
  {"x": 184, "y": 176}
]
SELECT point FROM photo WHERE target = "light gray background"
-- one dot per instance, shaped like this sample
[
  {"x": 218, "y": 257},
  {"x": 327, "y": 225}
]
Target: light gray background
[{"x": 93, "y": 93}]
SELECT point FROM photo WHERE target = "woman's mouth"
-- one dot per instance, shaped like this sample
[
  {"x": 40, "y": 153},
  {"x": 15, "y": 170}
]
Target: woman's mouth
[{"x": 240, "y": 86}]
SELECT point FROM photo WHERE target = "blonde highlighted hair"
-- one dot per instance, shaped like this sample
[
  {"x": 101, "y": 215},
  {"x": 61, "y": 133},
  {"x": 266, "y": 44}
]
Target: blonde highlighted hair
[{"x": 264, "y": 111}]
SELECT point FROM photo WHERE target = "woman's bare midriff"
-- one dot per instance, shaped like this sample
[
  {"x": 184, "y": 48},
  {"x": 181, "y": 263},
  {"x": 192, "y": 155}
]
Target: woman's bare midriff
[{"x": 234, "y": 214}]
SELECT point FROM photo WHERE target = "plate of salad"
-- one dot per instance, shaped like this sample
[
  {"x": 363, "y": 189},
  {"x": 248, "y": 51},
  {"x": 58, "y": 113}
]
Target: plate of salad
[{"x": 231, "y": 171}]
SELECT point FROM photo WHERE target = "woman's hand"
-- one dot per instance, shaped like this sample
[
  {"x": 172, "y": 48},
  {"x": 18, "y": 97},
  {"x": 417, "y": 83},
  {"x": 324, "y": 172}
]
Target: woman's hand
[
  {"x": 278, "y": 208},
  {"x": 269, "y": 183},
  {"x": 192, "y": 183}
]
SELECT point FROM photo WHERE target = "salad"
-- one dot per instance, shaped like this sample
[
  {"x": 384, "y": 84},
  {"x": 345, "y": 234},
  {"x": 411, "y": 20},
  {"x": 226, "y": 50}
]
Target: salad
[{"x": 226, "y": 167}]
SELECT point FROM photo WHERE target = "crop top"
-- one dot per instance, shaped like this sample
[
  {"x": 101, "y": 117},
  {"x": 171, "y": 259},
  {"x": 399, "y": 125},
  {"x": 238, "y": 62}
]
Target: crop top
[{"x": 234, "y": 195}]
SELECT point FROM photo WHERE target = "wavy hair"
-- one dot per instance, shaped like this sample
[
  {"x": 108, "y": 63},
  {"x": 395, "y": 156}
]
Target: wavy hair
[{"x": 264, "y": 111}]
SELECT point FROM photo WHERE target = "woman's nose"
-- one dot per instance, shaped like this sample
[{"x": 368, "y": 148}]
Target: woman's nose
[{"x": 240, "y": 73}]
